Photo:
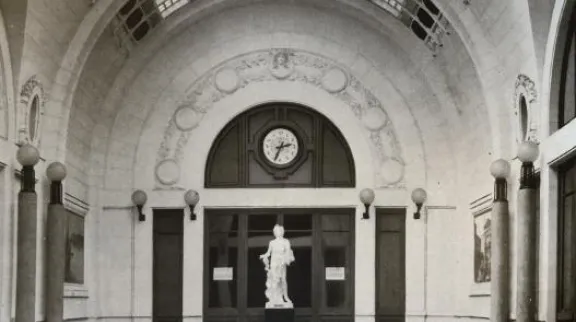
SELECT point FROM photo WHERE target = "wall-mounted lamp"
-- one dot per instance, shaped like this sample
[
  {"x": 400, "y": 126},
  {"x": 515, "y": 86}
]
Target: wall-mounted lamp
[
  {"x": 28, "y": 156},
  {"x": 56, "y": 172},
  {"x": 191, "y": 198},
  {"x": 418, "y": 197},
  {"x": 139, "y": 198},
  {"x": 500, "y": 170},
  {"x": 528, "y": 153},
  {"x": 367, "y": 198}
]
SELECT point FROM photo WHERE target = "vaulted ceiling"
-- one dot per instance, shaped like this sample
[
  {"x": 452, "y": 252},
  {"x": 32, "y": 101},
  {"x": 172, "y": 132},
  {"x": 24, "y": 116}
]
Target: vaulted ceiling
[{"x": 135, "y": 20}]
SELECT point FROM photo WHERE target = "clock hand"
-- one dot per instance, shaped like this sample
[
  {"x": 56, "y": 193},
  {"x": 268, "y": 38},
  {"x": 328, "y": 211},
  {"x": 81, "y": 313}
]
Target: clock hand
[{"x": 278, "y": 149}]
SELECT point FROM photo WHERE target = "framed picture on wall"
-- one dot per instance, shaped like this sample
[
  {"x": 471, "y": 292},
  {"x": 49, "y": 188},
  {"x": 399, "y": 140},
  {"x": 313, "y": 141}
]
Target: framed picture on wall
[
  {"x": 74, "y": 273},
  {"x": 481, "y": 245}
]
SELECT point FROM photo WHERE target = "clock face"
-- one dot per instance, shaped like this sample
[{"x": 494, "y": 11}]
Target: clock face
[{"x": 280, "y": 146}]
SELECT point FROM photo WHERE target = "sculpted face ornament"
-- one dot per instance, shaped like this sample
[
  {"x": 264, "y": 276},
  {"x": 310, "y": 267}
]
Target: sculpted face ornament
[
  {"x": 281, "y": 66},
  {"x": 276, "y": 259}
]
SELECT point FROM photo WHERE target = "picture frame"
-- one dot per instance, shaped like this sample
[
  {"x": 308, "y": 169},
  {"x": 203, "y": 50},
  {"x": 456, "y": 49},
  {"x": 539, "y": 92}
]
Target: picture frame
[
  {"x": 481, "y": 240},
  {"x": 74, "y": 267}
]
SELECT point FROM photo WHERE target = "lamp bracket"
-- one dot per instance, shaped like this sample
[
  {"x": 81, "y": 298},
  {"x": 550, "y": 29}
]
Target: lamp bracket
[
  {"x": 366, "y": 214},
  {"x": 192, "y": 213},
  {"x": 417, "y": 213},
  {"x": 141, "y": 215}
]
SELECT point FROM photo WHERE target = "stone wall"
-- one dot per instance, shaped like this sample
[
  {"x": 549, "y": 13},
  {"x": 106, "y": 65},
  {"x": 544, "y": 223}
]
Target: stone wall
[
  {"x": 447, "y": 117},
  {"x": 416, "y": 92}
]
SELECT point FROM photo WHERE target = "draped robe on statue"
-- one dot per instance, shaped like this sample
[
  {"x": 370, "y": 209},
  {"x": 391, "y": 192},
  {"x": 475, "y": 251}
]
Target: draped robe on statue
[{"x": 276, "y": 259}]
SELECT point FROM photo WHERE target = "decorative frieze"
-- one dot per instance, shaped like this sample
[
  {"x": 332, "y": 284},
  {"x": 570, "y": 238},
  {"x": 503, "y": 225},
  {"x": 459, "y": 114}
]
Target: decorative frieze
[
  {"x": 32, "y": 102},
  {"x": 526, "y": 110},
  {"x": 283, "y": 65}
]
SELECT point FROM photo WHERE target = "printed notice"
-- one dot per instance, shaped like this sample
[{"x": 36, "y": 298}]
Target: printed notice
[
  {"x": 223, "y": 274},
  {"x": 335, "y": 274}
]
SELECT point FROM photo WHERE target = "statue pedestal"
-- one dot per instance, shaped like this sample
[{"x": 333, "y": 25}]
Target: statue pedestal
[{"x": 279, "y": 315}]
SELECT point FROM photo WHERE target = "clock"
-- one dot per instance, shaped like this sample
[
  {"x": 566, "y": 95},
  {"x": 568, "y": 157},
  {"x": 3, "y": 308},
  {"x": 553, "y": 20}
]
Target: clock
[{"x": 280, "y": 146}]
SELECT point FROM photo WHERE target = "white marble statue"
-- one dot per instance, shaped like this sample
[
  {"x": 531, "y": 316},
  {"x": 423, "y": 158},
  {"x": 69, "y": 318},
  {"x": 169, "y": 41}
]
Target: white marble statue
[{"x": 276, "y": 259}]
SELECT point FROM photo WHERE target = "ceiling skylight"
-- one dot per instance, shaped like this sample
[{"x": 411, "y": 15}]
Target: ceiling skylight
[
  {"x": 422, "y": 17},
  {"x": 166, "y": 7},
  {"x": 137, "y": 18},
  {"x": 392, "y": 6}
]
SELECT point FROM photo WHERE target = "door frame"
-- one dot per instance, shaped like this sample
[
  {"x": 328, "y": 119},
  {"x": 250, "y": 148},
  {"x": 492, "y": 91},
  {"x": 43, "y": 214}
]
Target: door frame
[
  {"x": 167, "y": 212},
  {"x": 379, "y": 213},
  {"x": 244, "y": 313}
]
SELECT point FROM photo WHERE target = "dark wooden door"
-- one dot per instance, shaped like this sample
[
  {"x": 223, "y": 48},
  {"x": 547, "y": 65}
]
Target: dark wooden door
[
  {"x": 566, "y": 287},
  {"x": 167, "y": 267},
  {"x": 390, "y": 265}
]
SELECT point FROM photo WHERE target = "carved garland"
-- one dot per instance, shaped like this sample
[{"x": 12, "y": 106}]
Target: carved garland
[
  {"x": 31, "y": 89},
  {"x": 279, "y": 65},
  {"x": 525, "y": 88}
]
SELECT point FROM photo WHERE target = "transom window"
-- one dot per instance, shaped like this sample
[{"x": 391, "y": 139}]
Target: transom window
[{"x": 280, "y": 145}]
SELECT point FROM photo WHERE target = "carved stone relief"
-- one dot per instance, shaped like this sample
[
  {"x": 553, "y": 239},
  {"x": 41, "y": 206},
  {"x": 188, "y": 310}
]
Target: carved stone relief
[
  {"x": 32, "y": 101},
  {"x": 526, "y": 110},
  {"x": 280, "y": 65}
]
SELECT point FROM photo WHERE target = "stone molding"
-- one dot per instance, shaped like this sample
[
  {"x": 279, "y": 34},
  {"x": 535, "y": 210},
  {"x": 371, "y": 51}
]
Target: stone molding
[
  {"x": 283, "y": 65},
  {"x": 525, "y": 87},
  {"x": 33, "y": 87}
]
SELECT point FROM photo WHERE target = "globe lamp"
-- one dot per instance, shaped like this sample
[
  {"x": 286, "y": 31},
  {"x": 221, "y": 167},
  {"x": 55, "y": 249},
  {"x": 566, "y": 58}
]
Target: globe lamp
[
  {"x": 191, "y": 197},
  {"x": 418, "y": 197},
  {"x": 367, "y": 198}
]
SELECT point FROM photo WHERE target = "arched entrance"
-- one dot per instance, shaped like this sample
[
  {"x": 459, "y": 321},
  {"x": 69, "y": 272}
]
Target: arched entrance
[
  {"x": 274, "y": 146},
  {"x": 277, "y": 146}
]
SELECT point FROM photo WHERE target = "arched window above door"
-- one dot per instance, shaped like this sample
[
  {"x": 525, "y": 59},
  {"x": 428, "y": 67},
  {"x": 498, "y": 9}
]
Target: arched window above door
[{"x": 280, "y": 145}]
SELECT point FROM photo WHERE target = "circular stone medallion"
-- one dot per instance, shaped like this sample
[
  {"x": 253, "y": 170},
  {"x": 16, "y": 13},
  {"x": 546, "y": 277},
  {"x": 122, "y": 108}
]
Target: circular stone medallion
[
  {"x": 391, "y": 171},
  {"x": 168, "y": 172},
  {"x": 226, "y": 80},
  {"x": 374, "y": 119},
  {"x": 281, "y": 72},
  {"x": 335, "y": 80},
  {"x": 186, "y": 118}
]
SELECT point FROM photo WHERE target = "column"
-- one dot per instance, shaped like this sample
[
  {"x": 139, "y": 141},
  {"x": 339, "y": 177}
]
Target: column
[
  {"x": 27, "y": 156},
  {"x": 526, "y": 217},
  {"x": 500, "y": 269},
  {"x": 55, "y": 245}
]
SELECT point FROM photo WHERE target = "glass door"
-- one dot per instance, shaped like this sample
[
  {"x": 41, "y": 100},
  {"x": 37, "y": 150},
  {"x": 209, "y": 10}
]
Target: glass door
[
  {"x": 336, "y": 261},
  {"x": 298, "y": 230},
  {"x": 320, "y": 280}
]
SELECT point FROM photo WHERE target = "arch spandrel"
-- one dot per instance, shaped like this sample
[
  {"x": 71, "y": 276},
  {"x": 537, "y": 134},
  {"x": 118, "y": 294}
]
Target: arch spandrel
[
  {"x": 281, "y": 65},
  {"x": 415, "y": 118}
]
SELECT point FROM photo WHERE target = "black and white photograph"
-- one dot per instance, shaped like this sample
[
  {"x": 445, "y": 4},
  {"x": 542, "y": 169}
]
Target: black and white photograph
[{"x": 287, "y": 160}]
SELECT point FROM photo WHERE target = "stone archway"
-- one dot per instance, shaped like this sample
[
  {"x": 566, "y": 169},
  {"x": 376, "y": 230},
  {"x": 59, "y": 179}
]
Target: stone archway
[
  {"x": 7, "y": 104},
  {"x": 300, "y": 67}
]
